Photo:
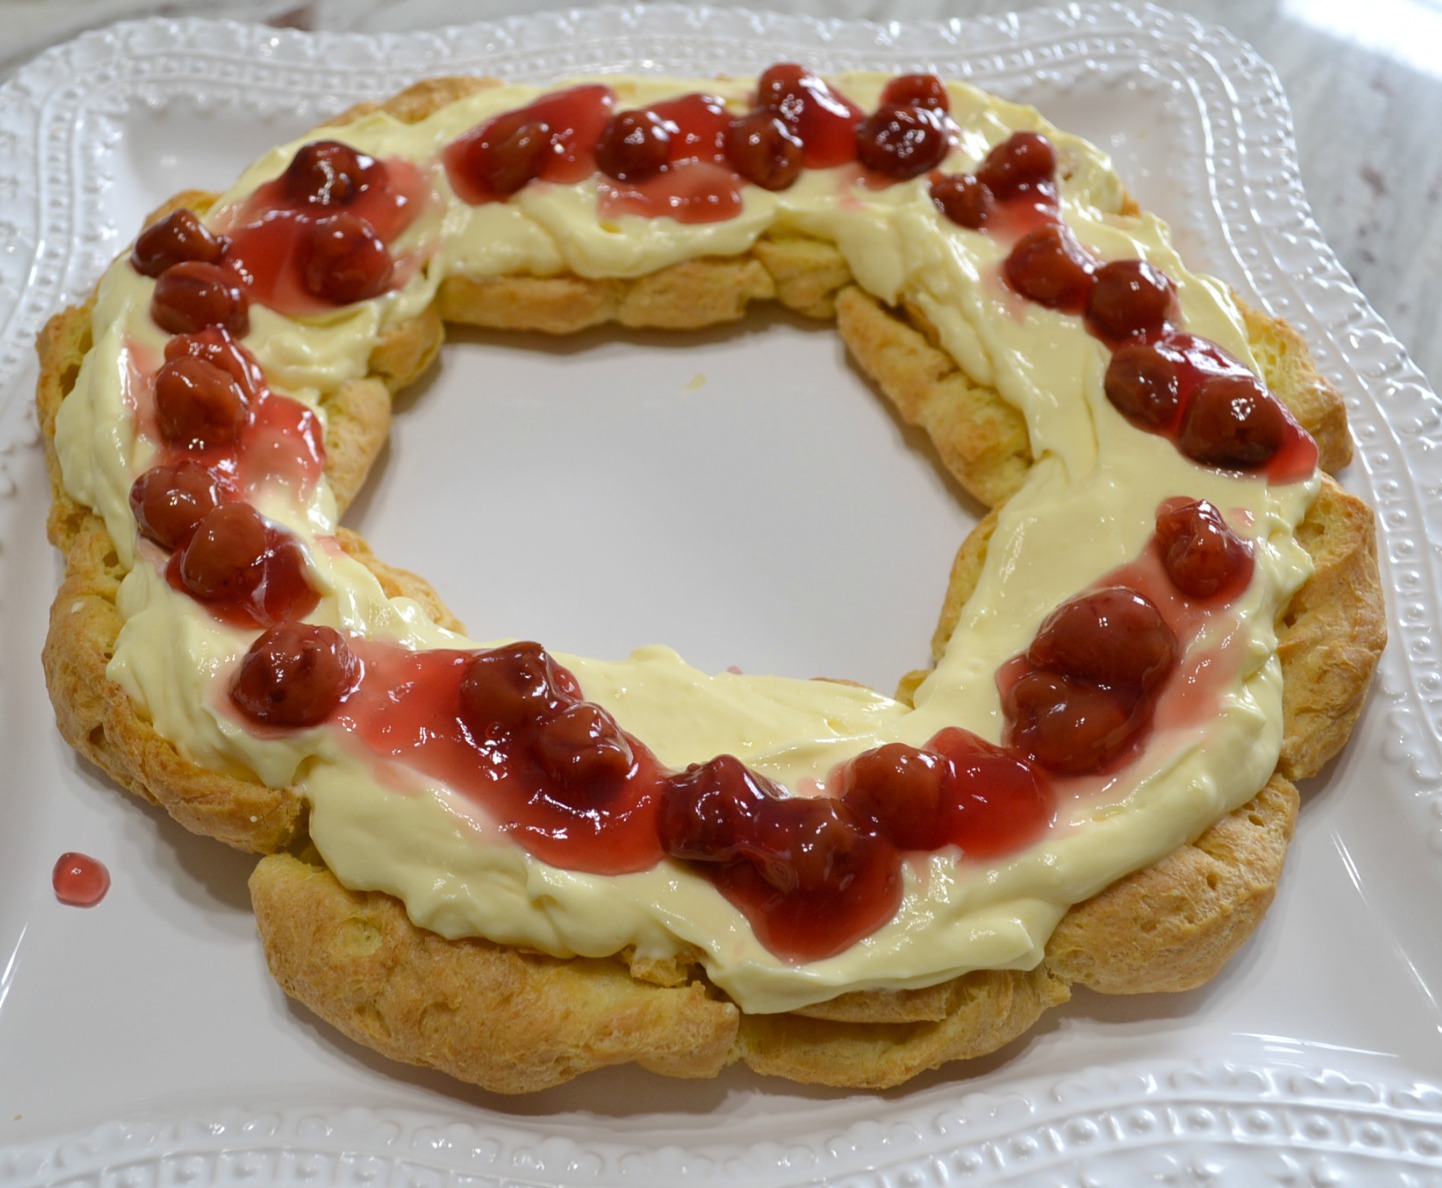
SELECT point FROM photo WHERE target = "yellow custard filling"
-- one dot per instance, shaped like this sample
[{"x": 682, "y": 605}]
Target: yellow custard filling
[{"x": 1087, "y": 508}]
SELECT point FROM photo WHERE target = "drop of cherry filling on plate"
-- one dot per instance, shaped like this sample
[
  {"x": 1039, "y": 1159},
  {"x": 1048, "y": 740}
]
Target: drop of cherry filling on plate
[
  {"x": 509, "y": 729},
  {"x": 79, "y": 880}
]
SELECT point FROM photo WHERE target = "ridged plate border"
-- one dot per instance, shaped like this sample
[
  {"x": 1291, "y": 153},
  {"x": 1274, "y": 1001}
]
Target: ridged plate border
[
  {"x": 1203, "y": 1125},
  {"x": 1185, "y": 1124}
]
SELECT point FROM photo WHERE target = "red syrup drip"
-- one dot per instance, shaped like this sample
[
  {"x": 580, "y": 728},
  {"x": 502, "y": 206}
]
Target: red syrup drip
[
  {"x": 984, "y": 800},
  {"x": 407, "y": 708},
  {"x": 696, "y": 185},
  {"x": 554, "y": 140},
  {"x": 282, "y": 443},
  {"x": 812, "y": 875},
  {"x": 1193, "y": 359},
  {"x": 79, "y": 880},
  {"x": 1047, "y": 265},
  {"x": 268, "y": 233},
  {"x": 1013, "y": 217},
  {"x": 811, "y": 925}
]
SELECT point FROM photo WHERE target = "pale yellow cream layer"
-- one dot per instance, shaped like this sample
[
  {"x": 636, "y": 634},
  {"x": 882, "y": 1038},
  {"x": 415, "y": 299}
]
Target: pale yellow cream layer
[{"x": 1087, "y": 507}]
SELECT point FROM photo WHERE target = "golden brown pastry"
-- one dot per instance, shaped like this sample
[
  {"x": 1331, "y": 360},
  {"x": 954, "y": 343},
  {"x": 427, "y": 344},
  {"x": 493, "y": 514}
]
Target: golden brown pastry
[{"x": 514, "y": 1019}]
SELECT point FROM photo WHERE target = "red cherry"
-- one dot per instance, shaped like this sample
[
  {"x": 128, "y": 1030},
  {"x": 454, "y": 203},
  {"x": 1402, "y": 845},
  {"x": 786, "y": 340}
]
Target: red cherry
[
  {"x": 295, "y": 674},
  {"x": 178, "y": 237},
  {"x": 327, "y": 173},
  {"x": 192, "y": 295},
  {"x": 1142, "y": 384},
  {"x": 512, "y": 686},
  {"x": 902, "y": 142},
  {"x": 1200, "y": 552},
  {"x": 707, "y": 810},
  {"x": 1000, "y": 801},
  {"x": 762, "y": 148},
  {"x": 822, "y": 120},
  {"x": 345, "y": 260},
  {"x": 199, "y": 405},
  {"x": 917, "y": 90},
  {"x": 169, "y": 502},
  {"x": 1050, "y": 267},
  {"x": 1232, "y": 422},
  {"x": 215, "y": 345},
  {"x": 1113, "y": 636},
  {"x": 1129, "y": 298},
  {"x": 1023, "y": 162},
  {"x": 1069, "y": 725},
  {"x": 508, "y": 153},
  {"x": 633, "y": 146},
  {"x": 807, "y": 844},
  {"x": 225, "y": 559},
  {"x": 583, "y": 746},
  {"x": 962, "y": 199},
  {"x": 285, "y": 591},
  {"x": 903, "y": 792},
  {"x": 788, "y": 89}
]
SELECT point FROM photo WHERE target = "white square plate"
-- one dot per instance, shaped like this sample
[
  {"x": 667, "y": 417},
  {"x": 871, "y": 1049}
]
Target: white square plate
[{"x": 142, "y": 1041}]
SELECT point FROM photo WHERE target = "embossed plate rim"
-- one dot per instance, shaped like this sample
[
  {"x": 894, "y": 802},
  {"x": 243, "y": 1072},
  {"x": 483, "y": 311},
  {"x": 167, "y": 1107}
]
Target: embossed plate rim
[{"x": 1196, "y": 1115}]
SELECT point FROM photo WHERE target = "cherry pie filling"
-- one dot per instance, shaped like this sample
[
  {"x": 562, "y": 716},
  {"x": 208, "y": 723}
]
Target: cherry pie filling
[{"x": 508, "y": 727}]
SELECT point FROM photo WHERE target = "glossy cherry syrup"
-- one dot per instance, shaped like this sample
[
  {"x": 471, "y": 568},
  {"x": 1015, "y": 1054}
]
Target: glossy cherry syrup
[
  {"x": 79, "y": 880},
  {"x": 696, "y": 183},
  {"x": 822, "y": 118},
  {"x": 505, "y": 746},
  {"x": 685, "y": 158},
  {"x": 1160, "y": 378},
  {"x": 550, "y": 140},
  {"x": 246, "y": 436},
  {"x": 1084, "y": 697},
  {"x": 176, "y": 238},
  {"x": 316, "y": 237},
  {"x": 1213, "y": 409},
  {"x": 1012, "y": 192}
]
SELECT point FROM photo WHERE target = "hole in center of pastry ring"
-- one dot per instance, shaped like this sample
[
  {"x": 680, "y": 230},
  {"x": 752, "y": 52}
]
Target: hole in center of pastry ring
[{"x": 618, "y": 488}]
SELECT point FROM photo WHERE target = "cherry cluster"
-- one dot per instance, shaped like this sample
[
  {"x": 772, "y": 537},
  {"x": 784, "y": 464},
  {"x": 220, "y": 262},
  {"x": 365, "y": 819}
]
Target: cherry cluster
[
  {"x": 812, "y": 874},
  {"x": 797, "y": 121},
  {"x": 1163, "y": 380},
  {"x": 212, "y": 410}
]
